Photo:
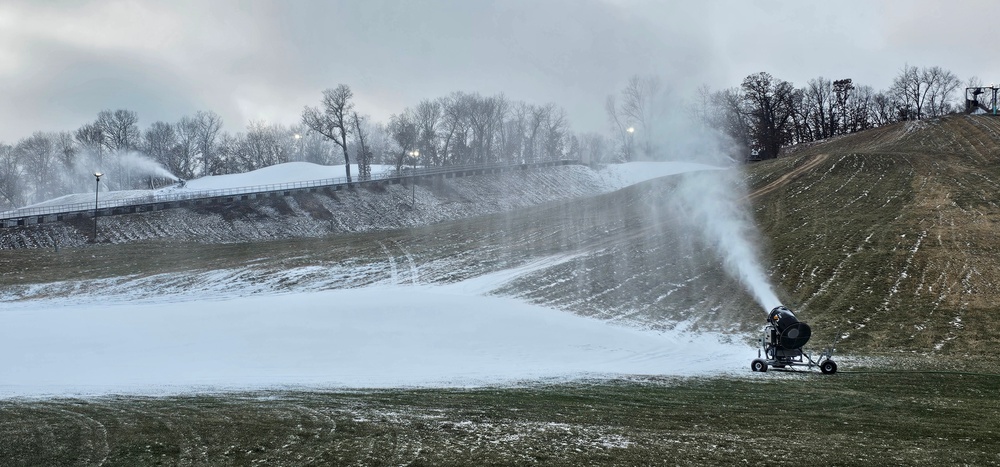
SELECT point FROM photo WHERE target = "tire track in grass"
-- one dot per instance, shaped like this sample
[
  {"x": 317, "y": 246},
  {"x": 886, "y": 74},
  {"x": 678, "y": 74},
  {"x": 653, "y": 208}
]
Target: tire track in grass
[
  {"x": 414, "y": 271},
  {"x": 394, "y": 277},
  {"x": 192, "y": 450},
  {"x": 94, "y": 449},
  {"x": 784, "y": 179},
  {"x": 312, "y": 442}
]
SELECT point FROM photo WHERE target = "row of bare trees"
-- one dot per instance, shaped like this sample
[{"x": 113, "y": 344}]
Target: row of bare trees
[
  {"x": 461, "y": 128},
  {"x": 766, "y": 113}
]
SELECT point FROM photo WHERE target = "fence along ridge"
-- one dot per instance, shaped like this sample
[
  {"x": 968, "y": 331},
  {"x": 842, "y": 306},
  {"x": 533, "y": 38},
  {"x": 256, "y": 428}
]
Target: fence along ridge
[{"x": 22, "y": 213}]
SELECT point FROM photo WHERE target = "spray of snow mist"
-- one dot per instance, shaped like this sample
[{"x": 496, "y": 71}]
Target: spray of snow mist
[
  {"x": 141, "y": 164},
  {"x": 711, "y": 203},
  {"x": 714, "y": 203}
]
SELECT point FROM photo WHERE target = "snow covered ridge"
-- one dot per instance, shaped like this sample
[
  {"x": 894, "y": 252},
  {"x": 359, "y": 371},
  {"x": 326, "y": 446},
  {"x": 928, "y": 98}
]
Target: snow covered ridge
[
  {"x": 322, "y": 213},
  {"x": 305, "y": 172},
  {"x": 288, "y": 176}
]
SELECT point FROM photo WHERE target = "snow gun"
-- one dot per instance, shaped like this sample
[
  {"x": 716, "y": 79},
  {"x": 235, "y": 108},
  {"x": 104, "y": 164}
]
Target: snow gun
[{"x": 784, "y": 337}]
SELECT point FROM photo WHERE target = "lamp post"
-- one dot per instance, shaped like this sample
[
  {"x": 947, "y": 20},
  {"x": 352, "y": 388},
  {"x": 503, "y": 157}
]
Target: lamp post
[
  {"x": 298, "y": 146},
  {"x": 414, "y": 154},
  {"x": 97, "y": 192},
  {"x": 628, "y": 152}
]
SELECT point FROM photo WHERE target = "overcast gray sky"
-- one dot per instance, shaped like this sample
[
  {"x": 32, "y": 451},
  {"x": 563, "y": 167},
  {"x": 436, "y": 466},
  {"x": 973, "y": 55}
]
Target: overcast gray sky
[{"x": 61, "y": 62}]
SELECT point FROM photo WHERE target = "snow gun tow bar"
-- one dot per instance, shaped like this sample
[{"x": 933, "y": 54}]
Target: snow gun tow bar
[{"x": 784, "y": 336}]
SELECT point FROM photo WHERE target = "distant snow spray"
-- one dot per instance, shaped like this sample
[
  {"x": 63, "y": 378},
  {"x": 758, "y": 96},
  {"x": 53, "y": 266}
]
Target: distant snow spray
[
  {"x": 123, "y": 169},
  {"x": 141, "y": 164},
  {"x": 714, "y": 202}
]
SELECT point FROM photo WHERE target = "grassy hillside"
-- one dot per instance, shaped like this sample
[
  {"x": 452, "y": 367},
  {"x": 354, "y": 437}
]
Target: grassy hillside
[{"x": 890, "y": 235}]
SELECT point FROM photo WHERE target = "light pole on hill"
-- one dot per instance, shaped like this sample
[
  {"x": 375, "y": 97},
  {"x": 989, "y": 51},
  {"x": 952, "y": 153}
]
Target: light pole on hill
[
  {"x": 414, "y": 154},
  {"x": 628, "y": 151},
  {"x": 97, "y": 192}
]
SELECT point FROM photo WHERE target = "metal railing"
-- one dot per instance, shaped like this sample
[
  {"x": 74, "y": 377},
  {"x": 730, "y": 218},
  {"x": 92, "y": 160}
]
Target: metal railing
[{"x": 405, "y": 173}]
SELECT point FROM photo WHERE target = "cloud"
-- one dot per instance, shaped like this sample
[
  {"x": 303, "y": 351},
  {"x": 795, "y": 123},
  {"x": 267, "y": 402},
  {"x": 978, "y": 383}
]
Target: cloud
[{"x": 265, "y": 60}]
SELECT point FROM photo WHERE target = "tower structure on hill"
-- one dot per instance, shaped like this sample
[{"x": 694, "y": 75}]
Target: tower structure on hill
[{"x": 981, "y": 99}]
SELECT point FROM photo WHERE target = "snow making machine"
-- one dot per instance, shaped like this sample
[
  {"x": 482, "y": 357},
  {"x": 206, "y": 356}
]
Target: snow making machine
[{"x": 784, "y": 336}]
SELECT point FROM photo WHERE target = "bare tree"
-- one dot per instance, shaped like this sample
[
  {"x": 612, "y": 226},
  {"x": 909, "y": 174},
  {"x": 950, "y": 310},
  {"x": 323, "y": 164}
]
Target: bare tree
[
  {"x": 818, "y": 99},
  {"x": 593, "y": 148},
  {"x": 364, "y": 153},
  {"x": 514, "y": 142},
  {"x": 484, "y": 116},
  {"x": 941, "y": 84},
  {"x": 310, "y": 146},
  {"x": 120, "y": 129},
  {"x": 842, "y": 91},
  {"x": 91, "y": 139},
  {"x": 910, "y": 92},
  {"x": 770, "y": 105},
  {"x": 555, "y": 131},
  {"x": 428, "y": 118},
  {"x": 859, "y": 107},
  {"x": 160, "y": 144},
  {"x": 184, "y": 162},
  {"x": 405, "y": 133},
  {"x": 66, "y": 149},
  {"x": 381, "y": 144},
  {"x": 261, "y": 146},
  {"x": 12, "y": 188},
  {"x": 67, "y": 157},
  {"x": 620, "y": 128},
  {"x": 37, "y": 153},
  {"x": 207, "y": 127},
  {"x": 227, "y": 158},
  {"x": 884, "y": 108},
  {"x": 641, "y": 106},
  {"x": 924, "y": 92},
  {"x": 332, "y": 120},
  {"x": 536, "y": 119},
  {"x": 456, "y": 109}
]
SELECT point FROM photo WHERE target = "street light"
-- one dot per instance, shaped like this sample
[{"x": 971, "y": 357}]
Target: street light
[
  {"x": 97, "y": 192},
  {"x": 628, "y": 153},
  {"x": 414, "y": 154}
]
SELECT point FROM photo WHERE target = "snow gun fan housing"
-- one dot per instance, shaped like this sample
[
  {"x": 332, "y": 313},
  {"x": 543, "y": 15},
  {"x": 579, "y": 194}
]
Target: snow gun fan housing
[
  {"x": 788, "y": 334},
  {"x": 784, "y": 337}
]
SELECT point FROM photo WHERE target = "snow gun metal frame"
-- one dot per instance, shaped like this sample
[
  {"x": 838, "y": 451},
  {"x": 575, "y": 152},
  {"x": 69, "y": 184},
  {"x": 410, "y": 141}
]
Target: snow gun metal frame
[{"x": 784, "y": 336}]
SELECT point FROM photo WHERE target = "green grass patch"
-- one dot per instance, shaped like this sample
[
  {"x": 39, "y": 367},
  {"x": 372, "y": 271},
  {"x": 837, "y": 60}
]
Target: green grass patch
[{"x": 876, "y": 418}]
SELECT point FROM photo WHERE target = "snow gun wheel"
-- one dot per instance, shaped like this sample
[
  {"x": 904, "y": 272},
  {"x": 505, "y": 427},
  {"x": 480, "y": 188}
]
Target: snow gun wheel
[
  {"x": 828, "y": 367},
  {"x": 758, "y": 365}
]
